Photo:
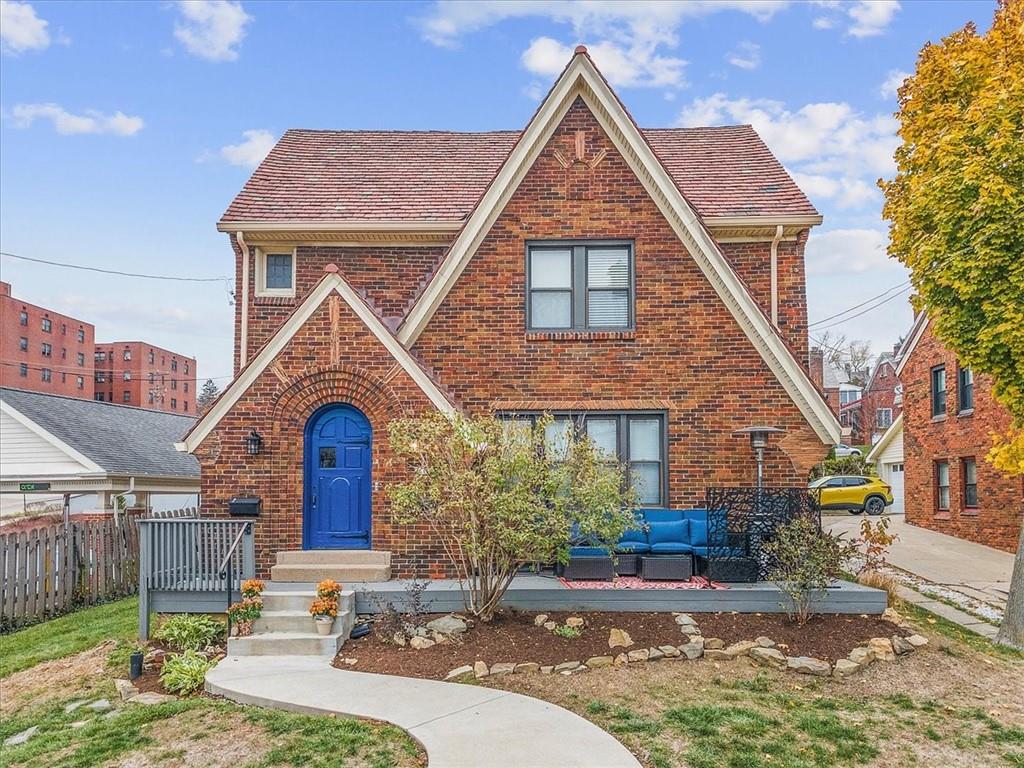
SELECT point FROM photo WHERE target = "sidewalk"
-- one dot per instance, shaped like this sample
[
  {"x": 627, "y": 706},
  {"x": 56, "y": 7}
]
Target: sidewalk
[
  {"x": 460, "y": 726},
  {"x": 973, "y": 570}
]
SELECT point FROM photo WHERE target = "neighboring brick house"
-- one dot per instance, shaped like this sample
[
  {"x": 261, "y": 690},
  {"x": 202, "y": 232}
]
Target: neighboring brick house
[
  {"x": 140, "y": 374},
  {"x": 647, "y": 285},
  {"x": 949, "y": 416},
  {"x": 42, "y": 350},
  {"x": 881, "y": 399}
]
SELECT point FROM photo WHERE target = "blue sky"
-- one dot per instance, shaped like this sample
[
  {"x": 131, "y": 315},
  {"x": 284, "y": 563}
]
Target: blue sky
[{"x": 126, "y": 128}]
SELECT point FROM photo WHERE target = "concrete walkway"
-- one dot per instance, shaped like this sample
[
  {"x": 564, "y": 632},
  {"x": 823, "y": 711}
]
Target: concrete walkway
[{"x": 460, "y": 726}]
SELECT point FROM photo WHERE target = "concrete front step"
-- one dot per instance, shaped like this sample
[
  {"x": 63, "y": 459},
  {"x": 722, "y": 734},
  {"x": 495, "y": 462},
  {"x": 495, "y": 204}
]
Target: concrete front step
[
  {"x": 298, "y": 600},
  {"x": 287, "y": 644},
  {"x": 284, "y": 621},
  {"x": 334, "y": 557},
  {"x": 341, "y": 573}
]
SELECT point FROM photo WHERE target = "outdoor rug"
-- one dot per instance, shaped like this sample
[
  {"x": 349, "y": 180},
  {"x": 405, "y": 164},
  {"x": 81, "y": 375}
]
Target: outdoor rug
[{"x": 635, "y": 582}]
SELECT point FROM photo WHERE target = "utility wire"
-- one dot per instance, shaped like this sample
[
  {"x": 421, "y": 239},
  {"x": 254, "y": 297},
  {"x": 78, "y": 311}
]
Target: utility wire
[
  {"x": 904, "y": 284},
  {"x": 116, "y": 272},
  {"x": 872, "y": 308}
]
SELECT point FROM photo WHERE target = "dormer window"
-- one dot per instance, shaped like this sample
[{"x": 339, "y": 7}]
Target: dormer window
[
  {"x": 579, "y": 286},
  {"x": 275, "y": 272}
]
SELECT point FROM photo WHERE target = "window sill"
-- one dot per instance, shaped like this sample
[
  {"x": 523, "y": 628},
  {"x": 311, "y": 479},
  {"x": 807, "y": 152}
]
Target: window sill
[
  {"x": 273, "y": 301},
  {"x": 942, "y": 514},
  {"x": 580, "y": 335},
  {"x": 940, "y": 417},
  {"x": 969, "y": 512},
  {"x": 964, "y": 414}
]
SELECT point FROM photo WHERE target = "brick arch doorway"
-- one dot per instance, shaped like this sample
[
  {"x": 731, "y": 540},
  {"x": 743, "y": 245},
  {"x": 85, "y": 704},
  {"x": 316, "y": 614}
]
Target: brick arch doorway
[{"x": 338, "y": 451}]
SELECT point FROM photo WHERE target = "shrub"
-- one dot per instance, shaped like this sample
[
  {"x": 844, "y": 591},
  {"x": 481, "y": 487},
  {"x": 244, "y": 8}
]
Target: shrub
[
  {"x": 883, "y": 581},
  {"x": 874, "y": 543},
  {"x": 843, "y": 465},
  {"x": 496, "y": 501},
  {"x": 190, "y": 631},
  {"x": 252, "y": 588},
  {"x": 805, "y": 560},
  {"x": 185, "y": 672},
  {"x": 249, "y": 609},
  {"x": 390, "y": 621},
  {"x": 569, "y": 633}
]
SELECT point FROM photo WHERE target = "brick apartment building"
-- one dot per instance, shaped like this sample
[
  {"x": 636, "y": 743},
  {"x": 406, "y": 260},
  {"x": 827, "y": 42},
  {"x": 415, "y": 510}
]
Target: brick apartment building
[
  {"x": 949, "y": 415},
  {"x": 43, "y": 350},
  {"x": 139, "y": 374}
]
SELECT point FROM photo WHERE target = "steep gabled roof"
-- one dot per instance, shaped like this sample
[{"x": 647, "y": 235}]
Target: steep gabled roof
[
  {"x": 916, "y": 332},
  {"x": 331, "y": 282},
  {"x": 373, "y": 176},
  {"x": 107, "y": 437},
  {"x": 887, "y": 437},
  {"x": 581, "y": 79}
]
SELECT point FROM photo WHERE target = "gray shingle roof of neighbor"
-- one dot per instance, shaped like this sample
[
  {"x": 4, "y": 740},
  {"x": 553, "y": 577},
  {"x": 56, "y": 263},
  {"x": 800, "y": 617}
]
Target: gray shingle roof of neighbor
[{"x": 121, "y": 439}]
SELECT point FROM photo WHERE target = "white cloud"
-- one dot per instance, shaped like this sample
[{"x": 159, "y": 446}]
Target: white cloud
[
  {"x": 67, "y": 123},
  {"x": 250, "y": 151},
  {"x": 832, "y": 150},
  {"x": 211, "y": 29},
  {"x": 745, "y": 55},
  {"x": 847, "y": 251},
  {"x": 893, "y": 80},
  {"x": 627, "y": 39},
  {"x": 864, "y": 18},
  {"x": 20, "y": 29}
]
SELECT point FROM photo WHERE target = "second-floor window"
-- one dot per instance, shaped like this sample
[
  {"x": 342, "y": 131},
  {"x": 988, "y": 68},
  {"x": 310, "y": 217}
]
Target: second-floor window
[
  {"x": 965, "y": 387},
  {"x": 883, "y": 417},
  {"x": 942, "y": 485},
  {"x": 579, "y": 286},
  {"x": 939, "y": 390},
  {"x": 275, "y": 273}
]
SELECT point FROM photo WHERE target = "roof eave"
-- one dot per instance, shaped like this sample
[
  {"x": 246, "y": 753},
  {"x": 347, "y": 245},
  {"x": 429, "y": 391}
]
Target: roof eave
[{"x": 341, "y": 225}]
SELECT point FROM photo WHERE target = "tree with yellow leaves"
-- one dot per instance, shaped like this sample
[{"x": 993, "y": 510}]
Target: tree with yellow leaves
[{"x": 956, "y": 212}]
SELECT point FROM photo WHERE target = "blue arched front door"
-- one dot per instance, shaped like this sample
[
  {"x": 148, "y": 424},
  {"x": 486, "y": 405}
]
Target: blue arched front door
[{"x": 337, "y": 488}]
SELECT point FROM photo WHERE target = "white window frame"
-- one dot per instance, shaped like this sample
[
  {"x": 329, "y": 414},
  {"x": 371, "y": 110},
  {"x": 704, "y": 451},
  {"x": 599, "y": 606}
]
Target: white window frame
[{"x": 261, "y": 270}]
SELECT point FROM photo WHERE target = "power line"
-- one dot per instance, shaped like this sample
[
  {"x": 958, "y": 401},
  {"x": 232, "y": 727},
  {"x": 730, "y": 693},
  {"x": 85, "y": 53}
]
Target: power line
[
  {"x": 116, "y": 272},
  {"x": 904, "y": 284},
  {"x": 864, "y": 311}
]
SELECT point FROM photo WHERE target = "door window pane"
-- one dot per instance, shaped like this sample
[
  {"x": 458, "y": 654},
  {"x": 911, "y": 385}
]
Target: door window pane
[
  {"x": 645, "y": 439},
  {"x": 551, "y": 309},
  {"x": 328, "y": 457},
  {"x": 605, "y": 435},
  {"x": 550, "y": 269}
]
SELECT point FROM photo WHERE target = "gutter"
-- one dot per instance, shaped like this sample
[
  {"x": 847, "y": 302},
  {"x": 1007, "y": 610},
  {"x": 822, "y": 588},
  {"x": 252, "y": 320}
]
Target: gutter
[
  {"x": 775, "y": 274},
  {"x": 243, "y": 342}
]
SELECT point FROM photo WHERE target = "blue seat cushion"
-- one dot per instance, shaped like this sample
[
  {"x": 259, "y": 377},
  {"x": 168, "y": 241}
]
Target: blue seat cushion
[
  {"x": 637, "y": 535},
  {"x": 695, "y": 514},
  {"x": 677, "y": 532},
  {"x": 671, "y": 548},
  {"x": 699, "y": 532},
  {"x": 632, "y": 547},
  {"x": 654, "y": 515},
  {"x": 588, "y": 552}
]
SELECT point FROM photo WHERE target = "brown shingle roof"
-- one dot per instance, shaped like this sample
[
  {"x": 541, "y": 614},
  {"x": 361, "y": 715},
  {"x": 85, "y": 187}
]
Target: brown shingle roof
[{"x": 437, "y": 175}]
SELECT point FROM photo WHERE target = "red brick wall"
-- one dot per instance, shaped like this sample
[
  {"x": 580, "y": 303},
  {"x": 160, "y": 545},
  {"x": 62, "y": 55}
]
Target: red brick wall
[
  {"x": 881, "y": 393},
  {"x": 64, "y": 349},
  {"x": 997, "y": 519},
  {"x": 173, "y": 385}
]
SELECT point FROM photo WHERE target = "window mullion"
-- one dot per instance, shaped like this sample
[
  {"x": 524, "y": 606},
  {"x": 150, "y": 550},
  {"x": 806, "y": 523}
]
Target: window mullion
[{"x": 579, "y": 287}]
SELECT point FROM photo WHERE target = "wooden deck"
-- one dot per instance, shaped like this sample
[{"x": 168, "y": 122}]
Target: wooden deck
[{"x": 546, "y": 593}]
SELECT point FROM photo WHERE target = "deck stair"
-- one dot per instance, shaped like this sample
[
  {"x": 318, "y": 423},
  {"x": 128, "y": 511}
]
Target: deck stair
[
  {"x": 343, "y": 565},
  {"x": 286, "y": 628}
]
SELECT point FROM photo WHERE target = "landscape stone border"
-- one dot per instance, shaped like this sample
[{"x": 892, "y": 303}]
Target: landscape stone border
[{"x": 762, "y": 651}]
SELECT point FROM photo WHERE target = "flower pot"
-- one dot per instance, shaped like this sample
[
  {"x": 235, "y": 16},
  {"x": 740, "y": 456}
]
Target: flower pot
[
  {"x": 244, "y": 628},
  {"x": 324, "y": 624}
]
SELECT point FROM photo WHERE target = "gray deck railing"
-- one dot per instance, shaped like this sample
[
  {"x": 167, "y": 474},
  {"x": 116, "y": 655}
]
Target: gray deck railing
[{"x": 181, "y": 565}]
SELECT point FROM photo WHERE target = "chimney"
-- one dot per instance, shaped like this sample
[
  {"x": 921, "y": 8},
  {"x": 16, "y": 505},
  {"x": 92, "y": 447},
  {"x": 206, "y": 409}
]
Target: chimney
[
  {"x": 896, "y": 349},
  {"x": 5, "y": 288},
  {"x": 816, "y": 360}
]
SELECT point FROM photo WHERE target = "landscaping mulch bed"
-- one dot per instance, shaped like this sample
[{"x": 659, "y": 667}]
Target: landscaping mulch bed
[{"x": 513, "y": 637}]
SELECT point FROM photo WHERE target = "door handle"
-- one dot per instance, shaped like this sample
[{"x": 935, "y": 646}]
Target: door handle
[{"x": 314, "y": 501}]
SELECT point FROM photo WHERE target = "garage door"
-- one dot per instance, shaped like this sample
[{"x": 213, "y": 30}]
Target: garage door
[{"x": 894, "y": 477}]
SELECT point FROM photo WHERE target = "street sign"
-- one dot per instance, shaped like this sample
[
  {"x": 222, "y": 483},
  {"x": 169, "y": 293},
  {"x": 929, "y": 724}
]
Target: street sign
[{"x": 24, "y": 487}]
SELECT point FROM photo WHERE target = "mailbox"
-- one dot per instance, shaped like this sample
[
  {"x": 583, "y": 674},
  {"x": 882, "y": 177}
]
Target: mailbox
[{"x": 245, "y": 506}]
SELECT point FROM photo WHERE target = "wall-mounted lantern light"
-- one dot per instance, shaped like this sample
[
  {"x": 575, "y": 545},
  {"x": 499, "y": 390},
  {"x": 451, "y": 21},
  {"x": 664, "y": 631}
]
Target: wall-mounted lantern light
[
  {"x": 758, "y": 442},
  {"x": 253, "y": 443}
]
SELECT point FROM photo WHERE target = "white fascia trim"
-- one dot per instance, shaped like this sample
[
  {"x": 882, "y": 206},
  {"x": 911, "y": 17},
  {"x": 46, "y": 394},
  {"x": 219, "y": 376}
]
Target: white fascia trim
[
  {"x": 56, "y": 442},
  {"x": 582, "y": 79},
  {"x": 342, "y": 225},
  {"x": 916, "y": 332},
  {"x": 885, "y": 439},
  {"x": 284, "y": 334},
  {"x": 762, "y": 221}
]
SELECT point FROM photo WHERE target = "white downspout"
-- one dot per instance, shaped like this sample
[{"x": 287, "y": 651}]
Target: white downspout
[
  {"x": 775, "y": 275},
  {"x": 243, "y": 341}
]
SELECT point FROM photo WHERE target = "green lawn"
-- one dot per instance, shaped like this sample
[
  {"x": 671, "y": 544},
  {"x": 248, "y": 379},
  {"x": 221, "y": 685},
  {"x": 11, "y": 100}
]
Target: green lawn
[{"x": 72, "y": 633}]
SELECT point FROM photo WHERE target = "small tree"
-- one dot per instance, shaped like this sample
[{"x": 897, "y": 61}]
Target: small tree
[
  {"x": 496, "y": 500},
  {"x": 843, "y": 465},
  {"x": 806, "y": 560},
  {"x": 207, "y": 395}
]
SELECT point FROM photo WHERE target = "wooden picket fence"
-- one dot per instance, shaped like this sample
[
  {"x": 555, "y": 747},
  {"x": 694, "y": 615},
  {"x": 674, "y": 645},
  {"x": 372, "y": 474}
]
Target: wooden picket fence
[{"x": 47, "y": 571}]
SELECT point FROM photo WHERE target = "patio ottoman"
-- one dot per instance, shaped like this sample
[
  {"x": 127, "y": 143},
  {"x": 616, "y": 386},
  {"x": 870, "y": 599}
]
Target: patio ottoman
[
  {"x": 587, "y": 568},
  {"x": 728, "y": 569},
  {"x": 666, "y": 567},
  {"x": 627, "y": 564}
]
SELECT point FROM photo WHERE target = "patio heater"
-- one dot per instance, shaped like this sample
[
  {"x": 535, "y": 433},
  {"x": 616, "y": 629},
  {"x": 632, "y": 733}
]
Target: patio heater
[{"x": 759, "y": 441}]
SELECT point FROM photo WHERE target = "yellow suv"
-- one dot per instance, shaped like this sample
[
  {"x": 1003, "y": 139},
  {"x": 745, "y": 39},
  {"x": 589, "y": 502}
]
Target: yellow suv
[{"x": 855, "y": 493}]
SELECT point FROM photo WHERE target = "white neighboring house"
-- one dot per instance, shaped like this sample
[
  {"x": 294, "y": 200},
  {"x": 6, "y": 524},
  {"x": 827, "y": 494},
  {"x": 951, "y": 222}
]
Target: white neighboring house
[
  {"x": 887, "y": 454},
  {"x": 52, "y": 445}
]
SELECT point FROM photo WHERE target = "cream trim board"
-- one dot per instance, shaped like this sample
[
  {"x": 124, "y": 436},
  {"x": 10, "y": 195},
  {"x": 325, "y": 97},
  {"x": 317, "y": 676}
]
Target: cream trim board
[
  {"x": 767, "y": 221},
  {"x": 916, "y": 332},
  {"x": 342, "y": 225},
  {"x": 262, "y": 252},
  {"x": 582, "y": 79},
  {"x": 248, "y": 375},
  {"x": 885, "y": 439},
  {"x": 49, "y": 437}
]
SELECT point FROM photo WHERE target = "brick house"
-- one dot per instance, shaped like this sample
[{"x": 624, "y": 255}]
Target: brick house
[
  {"x": 644, "y": 286},
  {"x": 882, "y": 402},
  {"x": 949, "y": 416},
  {"x": 140, "y": 374},
  {"x": 43, "y": 350}
]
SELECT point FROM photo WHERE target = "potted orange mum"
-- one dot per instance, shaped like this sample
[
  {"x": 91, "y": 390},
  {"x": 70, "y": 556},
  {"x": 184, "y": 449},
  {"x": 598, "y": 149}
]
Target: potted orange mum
[{"x": 324, "y": 611}]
